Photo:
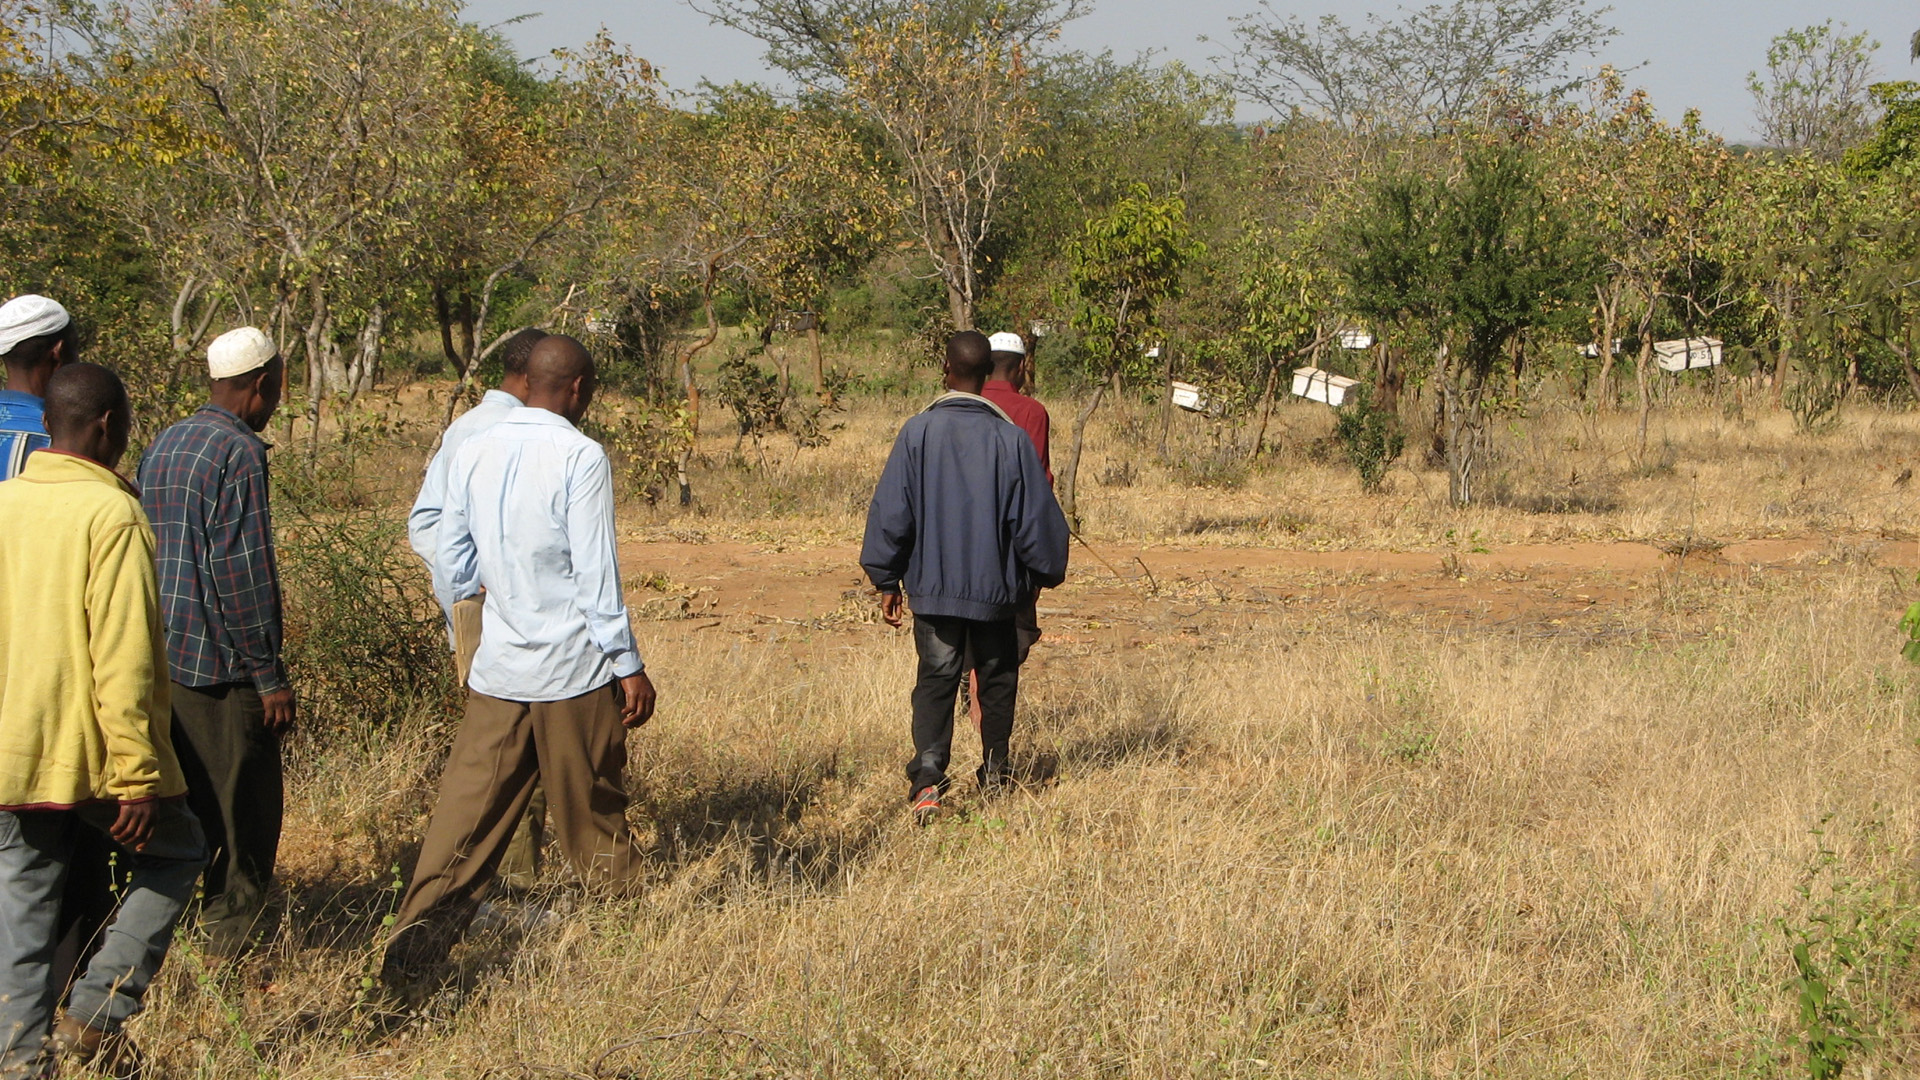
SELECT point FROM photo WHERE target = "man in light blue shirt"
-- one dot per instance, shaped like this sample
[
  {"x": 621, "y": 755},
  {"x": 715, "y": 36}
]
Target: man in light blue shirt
[
  {"x": 557, "y": 680},
  {"x": 520, "y": 866}
]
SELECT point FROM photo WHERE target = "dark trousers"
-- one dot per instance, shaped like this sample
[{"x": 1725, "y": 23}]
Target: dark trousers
[
  {"x": 948, "y": 647},
  {"x": 235, "y": 787}
]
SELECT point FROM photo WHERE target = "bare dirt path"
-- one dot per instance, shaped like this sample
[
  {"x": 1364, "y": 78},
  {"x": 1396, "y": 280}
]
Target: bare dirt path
[{"x": 1593, "y": 590}]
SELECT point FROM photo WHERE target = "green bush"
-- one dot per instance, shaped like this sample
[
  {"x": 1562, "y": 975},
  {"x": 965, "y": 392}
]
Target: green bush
[{"x": 1371, "y": 437}]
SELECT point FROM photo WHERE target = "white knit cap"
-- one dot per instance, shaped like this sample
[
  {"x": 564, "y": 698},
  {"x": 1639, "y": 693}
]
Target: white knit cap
[
  {"x": 30, "y": 316},
  {"x": 1005, "y": 342},
  {"x": 237, "y": 352}
]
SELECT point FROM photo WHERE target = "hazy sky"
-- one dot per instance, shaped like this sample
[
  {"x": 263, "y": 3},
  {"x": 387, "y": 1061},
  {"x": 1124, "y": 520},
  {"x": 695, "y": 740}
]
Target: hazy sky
[{"x": 1693, "y": 53}]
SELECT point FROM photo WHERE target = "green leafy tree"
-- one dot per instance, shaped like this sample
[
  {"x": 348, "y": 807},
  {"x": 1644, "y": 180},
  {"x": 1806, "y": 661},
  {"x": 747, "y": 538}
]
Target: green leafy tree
[
  {"x": 1478, "y": 260},
  {"x": 1895, "y": 141},
  {"x": 1125, "y": 265}
]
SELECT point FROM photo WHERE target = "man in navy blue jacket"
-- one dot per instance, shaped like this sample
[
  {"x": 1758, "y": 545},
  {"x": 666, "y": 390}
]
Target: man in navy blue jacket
[{"x": 965, "y": 520}]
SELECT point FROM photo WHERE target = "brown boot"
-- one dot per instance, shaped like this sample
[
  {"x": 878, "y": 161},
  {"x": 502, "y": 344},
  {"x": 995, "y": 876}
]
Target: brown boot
[{"x": 109, "y": 1053}]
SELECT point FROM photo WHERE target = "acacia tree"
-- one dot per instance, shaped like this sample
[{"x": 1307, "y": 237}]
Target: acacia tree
[
  {"x": 760, "y": 196},
  {"x": 956, "y": 113},
  {"x": 1286, "y": 299},
  {"x": 330, "y": 116},
  {"x": 1649, "y": 194},
  {"x": 1480, "y": 259},
  {"x": 1430, "y": 70},
  {"x": 1815, "y": 96},
  {"x": 537, "y": 159},
  {"x": 1123, "y": 266}
]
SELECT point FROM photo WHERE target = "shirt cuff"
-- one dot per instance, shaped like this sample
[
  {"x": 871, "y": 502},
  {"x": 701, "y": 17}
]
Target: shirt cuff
[
  {"x": 271, "y": 680},
  {"x": 627, "y": 664}
]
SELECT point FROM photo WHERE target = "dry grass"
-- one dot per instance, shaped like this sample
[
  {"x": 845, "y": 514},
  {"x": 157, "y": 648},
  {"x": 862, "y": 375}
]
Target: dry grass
[{"x": 1297, "y": 841}]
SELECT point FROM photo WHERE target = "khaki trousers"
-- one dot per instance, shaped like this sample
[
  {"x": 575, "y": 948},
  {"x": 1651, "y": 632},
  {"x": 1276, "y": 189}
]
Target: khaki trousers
[
  {"x": 578, "y": 748},
  {"x": 520, "y": 866}
]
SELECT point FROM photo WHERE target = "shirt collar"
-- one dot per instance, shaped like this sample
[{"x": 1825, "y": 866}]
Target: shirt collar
[
  {"x": 65, "y": 461},
  {"x": 21, "y": 397},
  {"x": 533, "y": 414},
  {"x": 501, "y": 397},
  {"x": 233, "y": 420},
  {"x": 961, "y": 397}
]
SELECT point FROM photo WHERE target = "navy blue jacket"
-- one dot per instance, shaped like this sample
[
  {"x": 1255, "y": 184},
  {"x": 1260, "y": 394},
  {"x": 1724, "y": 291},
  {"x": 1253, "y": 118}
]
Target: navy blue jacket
[{"x": 964, "y": 516}]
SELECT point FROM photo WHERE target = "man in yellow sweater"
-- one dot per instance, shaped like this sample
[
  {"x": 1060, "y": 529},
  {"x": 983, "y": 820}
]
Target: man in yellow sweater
[{"x": 83, "y": 731}]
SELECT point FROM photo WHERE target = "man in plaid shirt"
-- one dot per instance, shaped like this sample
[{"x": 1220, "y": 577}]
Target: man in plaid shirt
[{"x": 204, "y": 486}]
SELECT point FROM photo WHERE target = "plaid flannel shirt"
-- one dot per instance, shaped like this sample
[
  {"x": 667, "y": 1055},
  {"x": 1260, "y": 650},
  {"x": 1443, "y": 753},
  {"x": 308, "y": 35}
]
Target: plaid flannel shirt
[{"x": 203, "y": 483}]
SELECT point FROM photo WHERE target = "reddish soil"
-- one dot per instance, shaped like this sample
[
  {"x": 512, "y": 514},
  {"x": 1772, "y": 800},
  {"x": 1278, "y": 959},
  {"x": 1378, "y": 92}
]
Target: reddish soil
[{"x": 1583, "y": 591}]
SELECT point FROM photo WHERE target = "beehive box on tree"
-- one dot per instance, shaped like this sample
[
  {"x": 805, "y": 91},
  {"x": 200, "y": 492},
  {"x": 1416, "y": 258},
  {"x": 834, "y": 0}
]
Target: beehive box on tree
[
  {"x": 1322, "y": 386},
  {"x": 1355, "y": 339},
  {"x": 1687, "y": 353},
  {"x": 1189, "y": 397}
]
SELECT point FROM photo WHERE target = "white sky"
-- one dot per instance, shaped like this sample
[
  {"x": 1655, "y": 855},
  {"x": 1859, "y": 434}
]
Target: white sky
[{"x": 1695, "y": 53}]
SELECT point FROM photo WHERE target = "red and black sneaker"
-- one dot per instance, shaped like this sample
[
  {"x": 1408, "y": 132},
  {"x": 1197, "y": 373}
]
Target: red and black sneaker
[{"x": 926, "y": 804}]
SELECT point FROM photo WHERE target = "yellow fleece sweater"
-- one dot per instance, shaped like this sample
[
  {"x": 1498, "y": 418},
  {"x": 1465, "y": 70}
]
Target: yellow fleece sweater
[{"x": 84, "y": 694}]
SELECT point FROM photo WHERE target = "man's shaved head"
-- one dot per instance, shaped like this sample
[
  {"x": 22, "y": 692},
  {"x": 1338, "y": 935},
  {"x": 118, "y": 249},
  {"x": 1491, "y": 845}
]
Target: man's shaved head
[
  {"x": 88, "y": 413},
  {"x": 518, "y": 348},
  {"x": 555, "y": 361},
  {"x": 969, "y": 358},
  {"x": 560, "y": 377},
  {"x": 81, "y": 394}
]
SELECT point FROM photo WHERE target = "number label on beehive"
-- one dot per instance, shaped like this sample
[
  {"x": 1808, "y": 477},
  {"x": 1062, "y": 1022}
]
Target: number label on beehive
[{"x": 1687, "y": 353}]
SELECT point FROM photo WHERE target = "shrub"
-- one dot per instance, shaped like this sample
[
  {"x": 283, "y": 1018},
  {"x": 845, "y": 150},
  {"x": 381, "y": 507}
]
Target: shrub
[{"x": 1370, "y": 436}]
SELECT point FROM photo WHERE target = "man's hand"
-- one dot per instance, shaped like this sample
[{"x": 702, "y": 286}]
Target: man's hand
[
  {"x": 134, "y": 826},
  {"x": 892, "y": 608},
  {"x": 279, "y": 708},
  {"x": 636, "y": 700}
]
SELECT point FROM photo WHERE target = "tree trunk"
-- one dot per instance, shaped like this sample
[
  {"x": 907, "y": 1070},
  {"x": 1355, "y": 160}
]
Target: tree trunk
[
  {"x": 693, "y": 390},
  {"x": 1609, "y": 311},
  {"x": 958, "y": 280},
  {"x": 1641, "y": 361},
  {"x": 820, "y": 386},
  {"x": 1782, "y": 358},
  {"x": 1266, "y": 407},
  {"x": 1166, "y": 404},
  {"x": 443, "y": 314},
  {"x": 1069, "y": 482},
  {"x": 366, "y": 358},
  {"x": 1387, "y": 377},
  {"x": 319, "y": 322},
  {"x": 1463, "y": 398}
]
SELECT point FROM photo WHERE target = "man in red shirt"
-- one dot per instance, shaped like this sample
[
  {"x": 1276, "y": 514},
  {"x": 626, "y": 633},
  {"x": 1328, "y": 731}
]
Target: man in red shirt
[{"x": 1009, "y": 357}]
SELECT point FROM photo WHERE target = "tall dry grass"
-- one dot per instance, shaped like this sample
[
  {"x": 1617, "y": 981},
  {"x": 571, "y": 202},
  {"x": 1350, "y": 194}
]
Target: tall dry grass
[{"x": 1313, "y": 842}]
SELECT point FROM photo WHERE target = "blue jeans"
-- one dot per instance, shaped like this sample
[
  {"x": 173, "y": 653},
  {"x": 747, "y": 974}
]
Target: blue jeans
[{"x": 36, "y": 847}]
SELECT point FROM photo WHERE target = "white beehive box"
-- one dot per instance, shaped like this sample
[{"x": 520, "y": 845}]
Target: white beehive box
[
  {"x": 1592, "y": 351},
  {"x": 1189, "y": 397},
  {"x": 601, "y": 324},
  {"x": 1322, "y": 386},
  {"x": 1687, "y": 353},
  {"x": 1355, "y": 339}
]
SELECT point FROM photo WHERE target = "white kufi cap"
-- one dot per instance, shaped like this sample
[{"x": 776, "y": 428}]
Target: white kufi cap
[
  {"x": 1005, "y": 342},
  {"x": 237, "y": 352},
  {"x": 30, "y": 316}
]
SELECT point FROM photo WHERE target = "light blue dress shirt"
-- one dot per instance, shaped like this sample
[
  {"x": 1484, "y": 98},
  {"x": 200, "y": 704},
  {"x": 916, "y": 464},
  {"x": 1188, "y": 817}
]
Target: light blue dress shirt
[
  {"x": 529, "y": 517},
  {"x": 492, "y": 408}
]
